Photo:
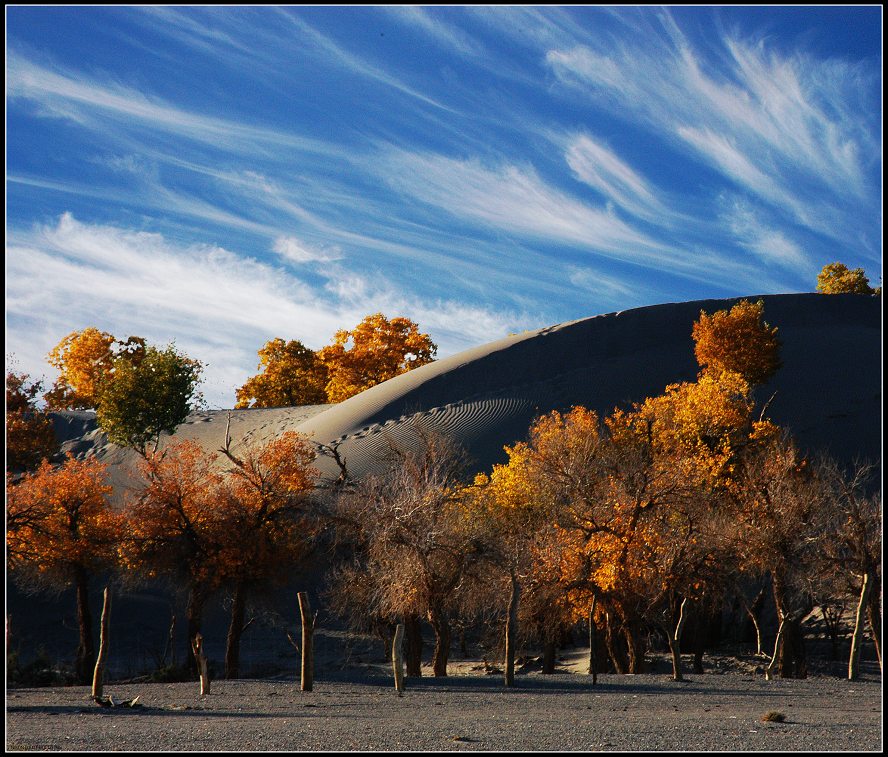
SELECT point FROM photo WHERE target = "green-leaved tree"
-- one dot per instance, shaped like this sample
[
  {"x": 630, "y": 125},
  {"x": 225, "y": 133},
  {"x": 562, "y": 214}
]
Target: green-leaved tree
[{"x": 143, "y": 398}]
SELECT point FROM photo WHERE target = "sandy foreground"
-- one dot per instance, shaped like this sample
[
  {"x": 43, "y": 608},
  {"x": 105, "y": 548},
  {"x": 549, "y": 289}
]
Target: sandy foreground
[{"x": 360, "y": 711}]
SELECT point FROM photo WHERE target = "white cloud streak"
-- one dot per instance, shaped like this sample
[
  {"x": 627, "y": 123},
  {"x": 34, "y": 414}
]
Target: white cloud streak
[{"x": 217, "y": 306}]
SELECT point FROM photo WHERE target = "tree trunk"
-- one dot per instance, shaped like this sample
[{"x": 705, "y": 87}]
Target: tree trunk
[
  {"x": 611, "y": 640},
  {"x": 593, "y": 644},
  {"x": 200, "y": 660},
  {"x": 193, "y": 616},
  {"x": 778, "y": 643},
  {"x": 235, "y": 631},
  {"x": 874, "y": 615},
  {"x": 413, "y": 646},
  {"x": 792, "y": 652},
  {"x": 857, "y": 636},
  {"x": 104, "y": 638},
  {"x": 549, "y": 650},
  {"x": 634, "y": 647},
  {"x": 673, "y": 635},
  {"x": 511, "y": 630},
  {"x": 307, "y": 672},
  {"x": 441, "y": 626},
  {"x": 86, "y": 653}
]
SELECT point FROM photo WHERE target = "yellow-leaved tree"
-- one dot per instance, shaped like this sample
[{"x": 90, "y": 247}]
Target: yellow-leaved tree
[
  {"x": 837, "y": 278},
  {"x": 374, "y": 351},
  {"x": 738, "y": 340},
  {"x": 85, "y": 360},
  {"x": 290, "y": 374}
]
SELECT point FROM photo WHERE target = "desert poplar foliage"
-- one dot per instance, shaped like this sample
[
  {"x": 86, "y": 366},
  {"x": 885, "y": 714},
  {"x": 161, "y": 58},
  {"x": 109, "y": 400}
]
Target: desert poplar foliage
[
  {"x": 837, "y": 278},
  {"x": 146, "y": 397},
  {"x": 737, "y": 340},
  {"x": 29, "y": 434},
  {"x": 60, "y": 530},
  {"x": 290, "y": 374},
  {"x": 376, "y": 350},
  {"x": 85, "y": 360}
]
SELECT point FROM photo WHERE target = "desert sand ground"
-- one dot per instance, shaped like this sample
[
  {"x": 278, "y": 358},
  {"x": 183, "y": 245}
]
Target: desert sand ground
[{"x": 359, "y": 710}]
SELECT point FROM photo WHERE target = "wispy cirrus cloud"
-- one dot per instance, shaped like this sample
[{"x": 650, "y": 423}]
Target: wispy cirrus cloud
[
  {"x": 787, "y": 129},
  {"x": 595, "y": 164},
  {"x": 297, "y": 251},
  {"x": 433, "y": 23},
  {"x": 79, "y": 98},
  {"x": 515, "y": 201}
]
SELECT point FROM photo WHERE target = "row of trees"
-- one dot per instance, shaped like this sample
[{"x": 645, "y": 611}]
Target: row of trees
[
  {"x": 374, "y": 351},
  {"x": 204, "y": 522},
  {"x": 633, "y": 521}
]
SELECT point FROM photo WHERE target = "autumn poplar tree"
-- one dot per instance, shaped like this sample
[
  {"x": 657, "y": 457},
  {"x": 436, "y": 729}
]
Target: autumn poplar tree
[
  {"x": 376, "y": 350},
  {"x": 175, "y": 526},
  {"x": 61, "y": 530},
  {"x": 29, "y": 434},
  {"x": 779, "y": 499},
  {"x": 837, "y": 278},
  {"x": 413, "y": 540},
  {"x": 268, "y": 527},
  {"x": 85, "y": 360},
  {"x": 143, "y": 398},
  {"x": 291, "y": 374},
  {"x": 737, "y": 340}
]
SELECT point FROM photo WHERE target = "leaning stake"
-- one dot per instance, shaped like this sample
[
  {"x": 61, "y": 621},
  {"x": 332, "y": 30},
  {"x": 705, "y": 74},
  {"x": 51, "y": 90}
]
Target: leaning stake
[{"x": 197, "y": 648}]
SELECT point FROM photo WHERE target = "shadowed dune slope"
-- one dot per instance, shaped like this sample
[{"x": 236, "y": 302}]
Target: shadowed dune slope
[{"x": 828, "y": 391}]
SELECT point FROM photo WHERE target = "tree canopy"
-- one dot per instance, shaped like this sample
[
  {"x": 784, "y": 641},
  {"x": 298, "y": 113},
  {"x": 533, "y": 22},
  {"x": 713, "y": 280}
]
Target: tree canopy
[
  {"x": 85, "y": 360},
  {"x": 837, "y": 278},
  {"x": 290, "y": 374},
  {"x": 29, "y": 434},
  {"x": 143, "y": 398},
  {"x": 376, "y": 350},
  {"x": 738, "y": 340}
]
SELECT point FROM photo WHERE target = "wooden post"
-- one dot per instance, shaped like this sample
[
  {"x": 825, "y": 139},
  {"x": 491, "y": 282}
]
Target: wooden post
[
  {"x": 200, "y": 657},
  {"x": 398, "y": 658},
  {"x": 307, "y": 678},
  {"x": 857, "y": 636},
  {"x": 99, "y": 673}
]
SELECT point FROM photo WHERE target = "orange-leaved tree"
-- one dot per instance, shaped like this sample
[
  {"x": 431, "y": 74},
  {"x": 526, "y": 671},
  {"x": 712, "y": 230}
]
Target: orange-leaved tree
[
  {"x": 290, "y": 374},
  {"x": 376, "y": 350},
  {"x": 29, "y": 434},
  {"x": 515, "y": 517},
  {"x": 85, "y": 360},
  {"x": 175, "y": 526},
  {"x": 737, "y": 340},
  {"x": 60, "y": 530},
  {"x": 268, "y": 525},
  {"x": 837, "y": 278}
]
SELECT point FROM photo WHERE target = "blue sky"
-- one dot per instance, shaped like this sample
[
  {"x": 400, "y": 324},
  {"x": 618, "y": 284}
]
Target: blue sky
[{"x": 219, "y": 177}]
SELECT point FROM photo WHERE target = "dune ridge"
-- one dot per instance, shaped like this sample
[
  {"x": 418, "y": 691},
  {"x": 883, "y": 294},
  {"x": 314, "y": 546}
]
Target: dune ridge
[{"x": 828, "y": 391}]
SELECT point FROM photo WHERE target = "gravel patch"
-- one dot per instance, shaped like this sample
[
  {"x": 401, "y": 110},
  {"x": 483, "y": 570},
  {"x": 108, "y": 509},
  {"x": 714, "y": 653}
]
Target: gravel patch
[{"x": 708, "y": 712}]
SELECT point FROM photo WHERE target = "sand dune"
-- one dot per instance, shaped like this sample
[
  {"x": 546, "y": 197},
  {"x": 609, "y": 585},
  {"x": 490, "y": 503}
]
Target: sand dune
[{"x": 828, "y": 391}]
